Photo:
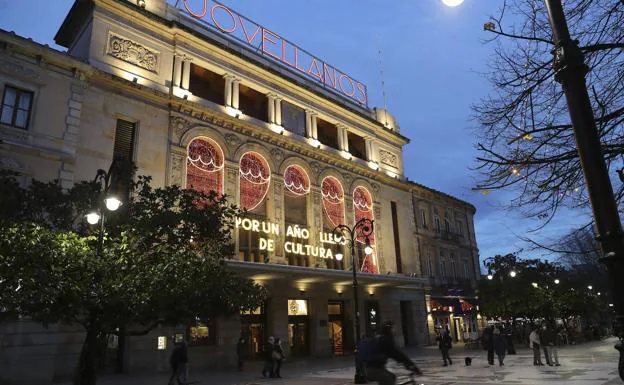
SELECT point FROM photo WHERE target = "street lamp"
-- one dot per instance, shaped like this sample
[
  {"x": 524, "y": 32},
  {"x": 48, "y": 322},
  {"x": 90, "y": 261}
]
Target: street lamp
[
  {"x": 513, "y": 274},
  {"x": 362, "y": 228},
  {"x": 452, "y": 3},
  {"x": 110, "y": 201},
  {"x": 556, "y": 281}
]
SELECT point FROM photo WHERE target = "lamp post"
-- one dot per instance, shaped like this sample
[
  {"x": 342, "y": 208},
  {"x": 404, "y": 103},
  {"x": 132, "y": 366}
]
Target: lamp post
[
  {"x": 110, "y": 201},
  {"x": 362, "y": 228}
]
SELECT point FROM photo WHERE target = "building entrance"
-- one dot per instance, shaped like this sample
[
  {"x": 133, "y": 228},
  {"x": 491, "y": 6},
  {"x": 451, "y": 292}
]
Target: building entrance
[
  {"x": 298, "y": 327},
  {"x": 335, "y": 312},
  {"x": 253, "y": 331}
]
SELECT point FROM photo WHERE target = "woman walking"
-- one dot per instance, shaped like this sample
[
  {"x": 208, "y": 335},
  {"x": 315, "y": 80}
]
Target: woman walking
[
  {"x": 278, "y": 356},
  {"x": 534, "y": 343}
]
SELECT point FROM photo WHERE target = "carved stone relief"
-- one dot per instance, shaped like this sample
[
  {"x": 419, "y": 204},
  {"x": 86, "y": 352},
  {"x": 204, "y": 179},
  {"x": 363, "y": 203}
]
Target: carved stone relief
[
  {"x": 180, "y": 126},
  {"x": 375, "y": 187},
  {"x": 388, "y": 158},
  {"x": 177, "y": 168},
  {"x": 232, "y": 140},
  {"x": 277, "y": 154},
  {"x": 133, "y": 53}
]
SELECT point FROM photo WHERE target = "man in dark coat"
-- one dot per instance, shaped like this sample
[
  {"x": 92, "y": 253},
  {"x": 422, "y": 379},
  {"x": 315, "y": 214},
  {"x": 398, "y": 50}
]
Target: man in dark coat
[
  {"x": 386, "y": 348},
  {"x": 488, "y": 343},
  {"x": 178, "y": 362},
  {"x": 241, "y": 351},
  {"x": 445, "y": 343},
  {"x": 268, "y": 358}
]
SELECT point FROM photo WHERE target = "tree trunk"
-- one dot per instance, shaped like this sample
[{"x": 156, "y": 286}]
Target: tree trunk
[
  {"x": 86, "y": 373},
  {"x": 121, "y": 350}
]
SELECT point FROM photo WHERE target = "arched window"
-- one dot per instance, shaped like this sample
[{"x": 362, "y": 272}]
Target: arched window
[
  {"x": 363, "y": 208},
  {"x": 297, "y": 188},
  {"x": 255, "y": 178},
  {"x": 333, "y": 206},
  {"x": 204, "y": 166}
]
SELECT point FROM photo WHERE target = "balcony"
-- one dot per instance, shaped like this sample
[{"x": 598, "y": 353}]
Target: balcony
[{"x": 449, "y": 236}]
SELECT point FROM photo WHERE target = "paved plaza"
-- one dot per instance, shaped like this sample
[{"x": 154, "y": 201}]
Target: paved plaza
[{"x": 592, "y": 363}]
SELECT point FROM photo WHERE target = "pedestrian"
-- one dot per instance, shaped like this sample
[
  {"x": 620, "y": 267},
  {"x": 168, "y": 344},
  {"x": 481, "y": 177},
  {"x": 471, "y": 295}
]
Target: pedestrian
[
  {"x": 547, "y": 339},
  {"x": 241, "y": 351},
  {"x": 445, "y": 344},
  {"x": 376, "y": 353},
  {"x": 534, "y": 343},
  {"x": 269, "y": 347},
  {"x": 178, "y": 362},
  {"x": 554, "y": 353},
  {"x": 278, "y": 357},
  {"x": 500, "y": 346},
  {"x": 488, "y": 344}
]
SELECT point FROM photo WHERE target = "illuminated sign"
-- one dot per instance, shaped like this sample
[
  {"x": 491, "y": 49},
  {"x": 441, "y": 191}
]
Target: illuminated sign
[
  {"x": 297, "y": 246},
  {"x": 275, "y": 47}
]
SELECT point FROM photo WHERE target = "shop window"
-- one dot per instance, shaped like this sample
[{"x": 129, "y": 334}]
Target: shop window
[
  {"x": 253, "y": 103},
  {"x": 207, "y": 85},
  {"x": 293, "y": 118},
  {"x": 16, "y": 107},
  {"x": 204, "y": 166},
  {"x": 363, "y": 208},
  {"x": 327, "y": 133},
  {"x": 202, "y": 332},
  {"x": 297, "y": 307},
  {"x": 357, "y": 145},
  {"x": 423, "y": 218},
  {"x": 447, "y": 224},
  {"x": 438, "y": 226}
]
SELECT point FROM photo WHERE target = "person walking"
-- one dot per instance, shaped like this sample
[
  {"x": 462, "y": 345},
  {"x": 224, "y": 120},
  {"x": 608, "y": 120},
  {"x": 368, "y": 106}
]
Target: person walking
[
  {"x": 178, "y": 362},
  {"x": 385, "y": 348},
  {"x": 278, "y": 357},
  {"x": 445, "y": 343},
  {"x": 488, "y": 344},
  {"x": 269, "y": 348},
  {"x": 547, "y": 338},
  {"x": 241, "y": 351},
  {"x": 554, "y": 353},
  {"x": 534, "y": 343},
  {"x": 500, "y": 346}
]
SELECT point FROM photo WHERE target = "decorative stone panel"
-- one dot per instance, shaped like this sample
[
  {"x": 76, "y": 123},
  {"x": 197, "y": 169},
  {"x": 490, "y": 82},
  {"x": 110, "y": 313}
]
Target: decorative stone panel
[
  {"x": 132, "y": 52},
  {"x": 388, "y": 158},
  {"x": 177, "y": 168},
  {"x": 180, "y": 126}
]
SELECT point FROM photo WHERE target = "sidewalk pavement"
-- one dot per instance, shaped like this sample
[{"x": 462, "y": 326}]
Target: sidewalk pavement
[{"x": 587, "y": 364}]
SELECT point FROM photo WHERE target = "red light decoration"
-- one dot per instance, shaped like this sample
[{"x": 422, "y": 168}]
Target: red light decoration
[
  {"x": 296, "y": 180},
  {"x": 204, "y": 166},
  {"x": 333, "y": 200},
  {"x": 255, "y": 177},
  {"x": 363, "y": 208}
]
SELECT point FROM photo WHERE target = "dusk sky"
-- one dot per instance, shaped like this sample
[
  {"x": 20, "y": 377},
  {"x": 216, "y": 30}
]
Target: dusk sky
[{"x": 433, "y": 57}]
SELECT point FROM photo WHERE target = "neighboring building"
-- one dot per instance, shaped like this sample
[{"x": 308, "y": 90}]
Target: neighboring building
[
  {"x": 207, "y": 99},
  {"x": 449, "y": 257}
]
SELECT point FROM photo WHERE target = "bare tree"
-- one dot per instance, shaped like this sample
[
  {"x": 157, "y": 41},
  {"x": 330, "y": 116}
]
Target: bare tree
[{"x": 525, "y": 138}]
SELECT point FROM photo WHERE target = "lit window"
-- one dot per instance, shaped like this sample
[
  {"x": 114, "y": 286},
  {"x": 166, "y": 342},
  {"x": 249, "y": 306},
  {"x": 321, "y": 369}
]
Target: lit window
[{"x": 16, "y": 105}]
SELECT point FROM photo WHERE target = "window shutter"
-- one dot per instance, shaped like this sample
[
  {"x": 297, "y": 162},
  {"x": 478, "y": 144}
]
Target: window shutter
[{"x": 124, "y": 140}]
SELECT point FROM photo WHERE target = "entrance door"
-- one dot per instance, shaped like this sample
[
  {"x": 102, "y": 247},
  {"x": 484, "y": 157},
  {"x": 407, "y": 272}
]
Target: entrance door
[
  {"x": 253, "y": 331},
  {"x": 298, "y": 335},
  {"x": 335, "y": 312},
  {"x": 406, "y": 321}
]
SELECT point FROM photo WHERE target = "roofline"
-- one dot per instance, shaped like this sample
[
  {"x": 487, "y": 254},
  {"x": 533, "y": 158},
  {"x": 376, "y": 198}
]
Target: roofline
[{"x": 463, "y": 202}]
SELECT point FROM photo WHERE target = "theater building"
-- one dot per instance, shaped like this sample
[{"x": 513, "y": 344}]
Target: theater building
[{"x": 199, "y": 96}]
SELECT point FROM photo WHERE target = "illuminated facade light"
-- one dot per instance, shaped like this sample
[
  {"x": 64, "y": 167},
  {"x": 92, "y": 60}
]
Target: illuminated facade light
[
  {"x": 233, "y": 112},
  {"x": 141, "y": 3},
  {"x": 112, "y": 203},
  {"x": 346, "y": 154},
  {"x": 556, "y": 281},
  {"x": 374, "y": 165},
  {"x": 277, "y": 128},
  {"x": 315, "y": 143},
  {"x": 93, "y": 218}
]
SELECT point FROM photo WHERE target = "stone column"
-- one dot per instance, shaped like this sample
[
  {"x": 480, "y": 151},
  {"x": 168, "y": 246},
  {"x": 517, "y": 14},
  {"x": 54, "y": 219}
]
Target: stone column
[
  {"x": 315, "y": 218},
  {"x": 341, "y": 142},
  {"x": 381, "y": 265},
  {"x": 271, "y": 106},
  {"x": 177, "y": 70},
  {"x": 228, "y": 89},
  {"x": 186, "y": 74},
  {"x": 370, "y": 156},
  {"x": 318, "y": 319},
  {"x": 278, "y": 111},
  {"x": 276, "y": 215},
  {"x": 277, "y": 317},
  {"x": 231, "y": 189},
  {"x": 308, "y": 124},
  {"x": 314, "y": 128},
  {"x": 235, "y": 93}
]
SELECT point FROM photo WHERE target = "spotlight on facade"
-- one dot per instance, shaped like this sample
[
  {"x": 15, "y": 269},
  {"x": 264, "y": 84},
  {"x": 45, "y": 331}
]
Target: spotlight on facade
[
  {"x": 598, "y": 293},
  {"x": 368, "y": 250},
  {"x": 610, "y": 305},
  {"x": 372, "y": 164},
  {"x": 277, "y": 128},
  {"x": 112, "y": 203},
  {"x": 93, "y": 217},
  {"x": 513, "y": 274},
  {"x": 452, "y": 3},
  {"x": 346, "y": 154},
  {"x": 233, "y": 112},
  {"x": 392, "y": 174},
  {"x": 141, "y": 3},
  {"x": 534, "y": 284},
  {"x": 590, "y": 287},
  {"x": 315, "y": 143},
  {"x": 556, "y": 281},
  {"x": 339, "y": 257}
]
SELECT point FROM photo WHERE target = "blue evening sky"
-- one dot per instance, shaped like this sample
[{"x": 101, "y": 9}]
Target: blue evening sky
[{"x": 432, "y": 59}]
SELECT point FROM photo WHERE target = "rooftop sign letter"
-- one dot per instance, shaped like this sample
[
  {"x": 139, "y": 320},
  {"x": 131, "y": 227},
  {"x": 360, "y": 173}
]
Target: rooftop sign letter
[{"x": 276, "y": 48}]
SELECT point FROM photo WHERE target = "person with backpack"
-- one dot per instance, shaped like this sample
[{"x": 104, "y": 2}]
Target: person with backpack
[
  {"x": 375, "y": 351},
  {"x": 445, "y": 343}
]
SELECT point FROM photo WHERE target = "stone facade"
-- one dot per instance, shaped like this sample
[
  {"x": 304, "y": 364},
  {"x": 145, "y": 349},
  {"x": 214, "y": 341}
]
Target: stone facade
[{"x": 138, "y": 71}]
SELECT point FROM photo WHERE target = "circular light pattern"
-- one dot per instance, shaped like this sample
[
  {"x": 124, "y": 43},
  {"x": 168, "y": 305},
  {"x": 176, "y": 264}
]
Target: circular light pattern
[
  {"x": 205, "y": 154},
  {"x": 255, "y": 176},
  {"x": 452, "y": 3},
  {"x": 333, "y": 200},
  {"x": 296, "y": 180},
  {"x": 362, "y": 199}
]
